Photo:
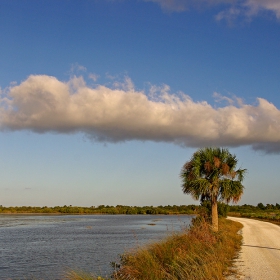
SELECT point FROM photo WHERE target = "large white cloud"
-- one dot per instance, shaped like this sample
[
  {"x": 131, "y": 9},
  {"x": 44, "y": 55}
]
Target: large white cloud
[
  {"x": 230, "y": 8},
  {"x": 45, "y": 104}
]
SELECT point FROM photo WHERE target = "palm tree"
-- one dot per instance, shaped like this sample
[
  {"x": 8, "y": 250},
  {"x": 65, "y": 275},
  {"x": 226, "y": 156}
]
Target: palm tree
[{"x": 211, "y": 175}]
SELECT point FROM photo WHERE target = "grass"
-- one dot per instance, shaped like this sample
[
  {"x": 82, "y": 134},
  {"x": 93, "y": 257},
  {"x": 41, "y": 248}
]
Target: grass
[
  {"x": 197, "y": 253},
  {"x": 266, "y": 216},
  {"x": 80, "y": 275}
]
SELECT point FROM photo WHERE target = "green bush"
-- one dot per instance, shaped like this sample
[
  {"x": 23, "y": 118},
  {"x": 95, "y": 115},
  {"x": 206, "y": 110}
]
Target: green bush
[{"x": 205, "y": 209}]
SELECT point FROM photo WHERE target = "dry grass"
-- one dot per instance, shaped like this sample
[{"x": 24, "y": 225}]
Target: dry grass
[
  {"x": 196, "y": 254},
  {"x": 80, "y": 275}
]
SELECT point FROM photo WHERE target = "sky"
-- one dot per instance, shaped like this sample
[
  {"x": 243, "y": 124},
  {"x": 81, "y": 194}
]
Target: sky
[{"x": 103, "y": 101}]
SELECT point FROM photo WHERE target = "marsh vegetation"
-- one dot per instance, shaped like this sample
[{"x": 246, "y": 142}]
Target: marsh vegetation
[{"x": 197, "y": 253}]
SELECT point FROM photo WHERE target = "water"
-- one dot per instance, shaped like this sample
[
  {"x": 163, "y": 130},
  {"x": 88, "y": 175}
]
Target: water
[{"x": 45, "y": 247}]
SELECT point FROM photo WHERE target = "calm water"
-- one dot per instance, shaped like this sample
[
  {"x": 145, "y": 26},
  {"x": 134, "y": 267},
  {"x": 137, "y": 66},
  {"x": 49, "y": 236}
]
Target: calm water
[{"x": 44, "y": 247}]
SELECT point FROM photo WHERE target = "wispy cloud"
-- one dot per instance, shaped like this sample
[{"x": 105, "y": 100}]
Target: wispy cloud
[
  {"x": 230, "y": 9},
  {"x": 270, "y": 5},
  {"x": 172, "y": 5},
  {"x": 93, "y": 77},
  {"x": 77, "y": 68},
  {"x": 45, "y": 104}
]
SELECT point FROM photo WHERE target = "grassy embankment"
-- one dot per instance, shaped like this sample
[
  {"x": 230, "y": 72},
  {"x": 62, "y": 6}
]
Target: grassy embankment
[
  {"x": 269, "y": 213},
  {"x": 271, "y": 217},
  {"x": 197, "y": 253}
]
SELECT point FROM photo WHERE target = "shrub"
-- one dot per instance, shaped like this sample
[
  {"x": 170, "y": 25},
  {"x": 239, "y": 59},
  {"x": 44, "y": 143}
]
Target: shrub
[
  {"x": 206, "y": 209},
  {"x": 198, "y": 253}
]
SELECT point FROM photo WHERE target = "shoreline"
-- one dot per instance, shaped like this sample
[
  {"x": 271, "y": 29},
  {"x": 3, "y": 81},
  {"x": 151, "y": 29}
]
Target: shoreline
[{"x": 91, "y": 214}]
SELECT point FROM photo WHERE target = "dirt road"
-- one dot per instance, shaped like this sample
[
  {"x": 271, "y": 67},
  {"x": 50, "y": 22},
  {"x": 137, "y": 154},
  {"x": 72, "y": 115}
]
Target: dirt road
[{"x": 260, "y": 254}]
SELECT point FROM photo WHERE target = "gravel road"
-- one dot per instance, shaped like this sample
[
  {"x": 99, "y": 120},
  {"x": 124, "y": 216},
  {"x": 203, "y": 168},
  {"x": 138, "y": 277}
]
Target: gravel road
[{"x": 260, "y": 254}]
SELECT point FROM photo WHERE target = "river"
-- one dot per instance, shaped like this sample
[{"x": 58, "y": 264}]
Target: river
[{"x": 45, "y": 247}]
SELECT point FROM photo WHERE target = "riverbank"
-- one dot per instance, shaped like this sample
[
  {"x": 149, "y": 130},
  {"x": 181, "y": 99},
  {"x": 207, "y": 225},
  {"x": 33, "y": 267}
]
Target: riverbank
[
  {"x": 197, "y": 253},
  {"x": 102, "y": 209},
  {"x": 44, "y": 247}
]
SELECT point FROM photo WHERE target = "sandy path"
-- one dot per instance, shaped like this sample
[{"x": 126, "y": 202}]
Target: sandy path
[{"x": 260, "y": 254}]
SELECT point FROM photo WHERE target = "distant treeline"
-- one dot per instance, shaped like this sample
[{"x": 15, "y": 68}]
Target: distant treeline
[
  {"x": 268, "y": 212},
  {"x": 261, "y": 211},
  {"x": 102, "y": 209},
  {"x": 249, "y": 208}
]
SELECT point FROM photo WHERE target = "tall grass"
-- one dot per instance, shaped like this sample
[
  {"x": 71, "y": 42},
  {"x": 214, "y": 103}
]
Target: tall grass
[
  {"x": 80, "y": 275},
  {"x": 198, "y": 253}
]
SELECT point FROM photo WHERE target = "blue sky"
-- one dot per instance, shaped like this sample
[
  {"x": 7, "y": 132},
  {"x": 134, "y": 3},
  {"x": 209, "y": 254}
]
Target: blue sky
[{"x": 102, "y": 102}]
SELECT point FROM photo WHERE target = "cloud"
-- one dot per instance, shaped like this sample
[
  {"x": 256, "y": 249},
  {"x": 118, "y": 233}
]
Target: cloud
[
  {"x": 257, "y": 5},
  {"x": 93, "y": 77},
  {"x": 172, "y": 5},
  {"x": 77, "y": 68},
  {"x": 230, "y": 9},
  {"x": 45, "y": 104},
  {"x": 249, "y": 9}
]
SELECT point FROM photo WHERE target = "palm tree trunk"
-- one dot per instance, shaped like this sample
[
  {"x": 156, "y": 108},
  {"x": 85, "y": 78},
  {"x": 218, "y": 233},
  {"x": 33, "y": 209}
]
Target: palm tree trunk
[{"x": 215, "y": 225}]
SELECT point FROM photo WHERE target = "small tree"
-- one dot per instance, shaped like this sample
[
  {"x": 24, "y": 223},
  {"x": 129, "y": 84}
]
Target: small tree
[
  {"x": 211, "y": 175},
  {"x": 261, "y": 206}
]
